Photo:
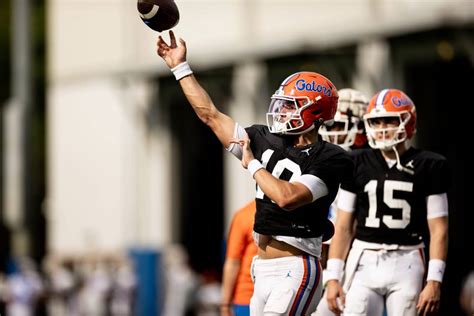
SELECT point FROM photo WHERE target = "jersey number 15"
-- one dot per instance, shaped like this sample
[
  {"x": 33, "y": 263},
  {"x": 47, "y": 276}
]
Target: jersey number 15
[{"x": 389, "y": 186}]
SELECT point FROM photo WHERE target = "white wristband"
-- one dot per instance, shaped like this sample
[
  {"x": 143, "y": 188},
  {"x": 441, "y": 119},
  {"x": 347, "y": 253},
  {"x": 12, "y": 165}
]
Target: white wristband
[
  {"x": 436, "y": 270},
  {"x": 334, "y": 269},
  {"x": 181, "y": 71},
  {"x": 253, "y": 166}
]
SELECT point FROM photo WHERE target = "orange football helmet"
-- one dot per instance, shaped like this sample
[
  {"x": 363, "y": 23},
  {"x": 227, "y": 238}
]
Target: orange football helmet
[
  {"x": 390, "y": 104},
  {"x": 303, "y": 100}
]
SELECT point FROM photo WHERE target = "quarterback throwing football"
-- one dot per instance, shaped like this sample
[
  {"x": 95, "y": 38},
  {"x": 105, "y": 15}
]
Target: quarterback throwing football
[{"x": 297, "y": 175}]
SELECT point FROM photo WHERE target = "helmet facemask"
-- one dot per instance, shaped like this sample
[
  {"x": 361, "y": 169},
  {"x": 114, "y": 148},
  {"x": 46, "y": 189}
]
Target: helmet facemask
[
  {"x": 284, "y": 114},
  {"x": 343, "y": 132},
  {"x": 398, "y": 132}
]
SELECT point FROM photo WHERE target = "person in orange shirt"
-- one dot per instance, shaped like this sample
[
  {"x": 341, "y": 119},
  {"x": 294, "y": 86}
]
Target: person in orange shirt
[{"x": 237, "y": 285}]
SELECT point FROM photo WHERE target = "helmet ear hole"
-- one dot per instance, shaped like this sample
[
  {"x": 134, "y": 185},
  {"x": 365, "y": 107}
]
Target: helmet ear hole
[
  {"x": 318, "y": 122},
  {"x": 317, "y": 112},
  {"x": 405, "y": 117}
]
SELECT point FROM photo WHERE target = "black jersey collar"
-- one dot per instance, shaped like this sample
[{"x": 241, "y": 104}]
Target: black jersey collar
[{"x": 405, "y": 158}]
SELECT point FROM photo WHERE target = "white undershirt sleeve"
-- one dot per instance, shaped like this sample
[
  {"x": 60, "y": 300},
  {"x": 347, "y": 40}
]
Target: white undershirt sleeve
[
  {"x": 346, "y": 200},
  {"x": 437, "y": 205},
  {"x": 317, "y": 186},
  {"x": 239, "y": 133}
]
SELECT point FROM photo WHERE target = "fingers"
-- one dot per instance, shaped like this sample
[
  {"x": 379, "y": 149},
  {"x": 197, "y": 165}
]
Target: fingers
[
  {"x": 172, "y": 39},
  {"x": 342, "y": 301},
  {"x": 429, "y": 309},
  {"x": 334, "y": 306},
  {"x": 162, "y": 47},
  {"x": 182, "y": 42},
  {"x": 336, "y": 299},
  {"x": 240, "y": 142},
  {"x": 161, "y": 41},
  {"x": 234, "y": 141},
  {"x": 422, "y": 309},
  {"x": 173, "y": 42},
  {"x": 433, "y": 309},
  {"x": 335, "y": 309},
  {"x": 161, "y": 51},
  {"x": 419, "y": 308}
]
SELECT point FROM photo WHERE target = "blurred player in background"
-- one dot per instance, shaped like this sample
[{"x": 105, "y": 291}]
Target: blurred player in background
[
  {"x": 348, "y": 129},
  {"x": 466, "y": 297},
  {"x": 237, "y": 285},
  {"x": 348, "y": 132},
  {"x": 397, "y": 194},
  {"x": 297, "y": 176}
]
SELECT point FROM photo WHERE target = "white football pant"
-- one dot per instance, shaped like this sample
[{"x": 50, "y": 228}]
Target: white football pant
[
  {"x": 286, "y": 286},
  {"x": 393, "y": 276}
]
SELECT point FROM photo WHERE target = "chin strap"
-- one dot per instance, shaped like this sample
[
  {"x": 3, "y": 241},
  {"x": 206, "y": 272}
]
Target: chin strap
[{"x": 399, "y": 164}]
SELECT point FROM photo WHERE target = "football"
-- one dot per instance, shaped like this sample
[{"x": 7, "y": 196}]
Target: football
[{"x": 159, "y": 15}]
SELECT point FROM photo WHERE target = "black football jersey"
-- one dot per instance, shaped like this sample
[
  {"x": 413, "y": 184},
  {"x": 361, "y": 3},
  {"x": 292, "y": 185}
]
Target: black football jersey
[
  {"x": 391, "y": 204},
  {"x": 277, "y": 154}
]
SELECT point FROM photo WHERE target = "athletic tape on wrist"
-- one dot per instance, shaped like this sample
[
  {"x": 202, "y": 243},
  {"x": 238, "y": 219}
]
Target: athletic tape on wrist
[
  {"x": 253, "y": 166},
  {"x": 436, "y": 270},
  {"x": 181, "y": 71},
  {"x": 334, "y": 269}
]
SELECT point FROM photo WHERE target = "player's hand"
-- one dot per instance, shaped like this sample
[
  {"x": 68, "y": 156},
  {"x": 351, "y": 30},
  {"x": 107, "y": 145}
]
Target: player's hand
[
  {"x": 428, "y": 301},
  {"x": 247, "y": 154},
  {"x": 174, "y": 53},
  {"x": 335, "y": 297}
]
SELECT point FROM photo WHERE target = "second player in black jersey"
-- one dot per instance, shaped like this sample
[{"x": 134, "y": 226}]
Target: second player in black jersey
[
  {"x": 397, "y": 195},
  {"x": 391, "y": 203}
]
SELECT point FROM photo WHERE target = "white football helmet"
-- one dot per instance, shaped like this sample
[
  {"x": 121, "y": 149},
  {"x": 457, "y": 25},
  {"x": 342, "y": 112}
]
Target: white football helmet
[{"x": 351, "y": 107}]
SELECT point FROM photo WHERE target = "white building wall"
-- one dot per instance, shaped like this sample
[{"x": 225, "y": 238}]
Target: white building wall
[
  {"x": 91, "y": 37},
  {"x": 86, "y": 136},
  {"x": 108, "y": 174}
]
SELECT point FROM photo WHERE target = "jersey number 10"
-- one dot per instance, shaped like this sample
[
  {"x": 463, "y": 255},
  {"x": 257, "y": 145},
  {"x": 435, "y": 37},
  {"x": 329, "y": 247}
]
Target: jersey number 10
[{"x": 280, "y": 166}]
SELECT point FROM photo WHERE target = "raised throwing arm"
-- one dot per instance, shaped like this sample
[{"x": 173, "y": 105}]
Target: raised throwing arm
[{"x": 174, "y": 54}]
